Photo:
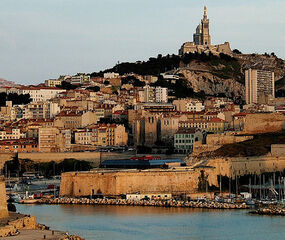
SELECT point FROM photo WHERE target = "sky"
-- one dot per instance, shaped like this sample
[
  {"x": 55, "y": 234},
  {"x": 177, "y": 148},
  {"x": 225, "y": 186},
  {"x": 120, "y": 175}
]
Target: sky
[{"x": 42, "y": 39}]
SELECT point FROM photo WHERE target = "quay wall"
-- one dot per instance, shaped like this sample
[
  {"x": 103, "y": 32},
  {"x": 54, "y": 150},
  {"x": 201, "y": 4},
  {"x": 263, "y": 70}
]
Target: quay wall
[
  {"x": 58, "y": 157},
  {"x": 3, "y": 203},
  {"x": 93, "y": 157},
  {"x": 115, "y": 183}
]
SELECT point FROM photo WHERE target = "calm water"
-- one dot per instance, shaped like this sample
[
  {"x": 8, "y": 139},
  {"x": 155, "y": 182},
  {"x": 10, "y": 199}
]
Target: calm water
[{"x": 129, "y": 223}]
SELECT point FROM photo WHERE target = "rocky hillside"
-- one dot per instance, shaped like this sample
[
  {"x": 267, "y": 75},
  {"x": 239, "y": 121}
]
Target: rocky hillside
[
  {"x": 5, "y": 83},
  {"x": 207, "y": 74},
  {"x": 211, "y": 81},
  {"x": 265, "y": 61},
  {"x": 224, "y": 75}
]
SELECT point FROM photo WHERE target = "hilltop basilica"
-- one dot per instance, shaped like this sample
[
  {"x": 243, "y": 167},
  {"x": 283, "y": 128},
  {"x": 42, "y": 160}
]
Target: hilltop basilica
[{"x": 202, "y": 40}]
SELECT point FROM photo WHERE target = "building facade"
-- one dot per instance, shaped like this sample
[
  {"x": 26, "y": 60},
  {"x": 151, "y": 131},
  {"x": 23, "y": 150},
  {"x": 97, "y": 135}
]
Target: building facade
[
  {"x": 185, "y": 138},
  {"x": 102, "y": 135},
  {"x": 54, "y": 140},
  {"x": 161, "y": 94},
  {"x": 259, "y": 85}
]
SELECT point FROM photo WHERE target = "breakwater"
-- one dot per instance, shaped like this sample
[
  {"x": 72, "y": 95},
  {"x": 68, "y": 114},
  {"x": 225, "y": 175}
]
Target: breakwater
[
  {"x": 269, "y": 211},
  {"x": 153, "y": 203}
]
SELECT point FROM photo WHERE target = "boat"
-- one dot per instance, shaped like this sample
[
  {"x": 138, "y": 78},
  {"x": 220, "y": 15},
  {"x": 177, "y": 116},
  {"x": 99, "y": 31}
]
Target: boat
[{"x": 28, "y": 201}]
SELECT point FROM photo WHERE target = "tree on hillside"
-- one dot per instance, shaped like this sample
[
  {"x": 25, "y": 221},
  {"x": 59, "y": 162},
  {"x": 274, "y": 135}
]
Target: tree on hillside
[
  {"x": 236, "y": 51},
  {"x": 94, "y": 89},
  {"x": 66, "y": 85},
  {"x": 15, "y": 98},
  {"x": 133, "y": 80}
]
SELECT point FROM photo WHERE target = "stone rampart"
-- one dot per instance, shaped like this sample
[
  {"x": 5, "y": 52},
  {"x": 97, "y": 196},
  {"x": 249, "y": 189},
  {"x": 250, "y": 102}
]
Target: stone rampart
[
  {"x": 278, "y": 150},
  {"x": 3, "y": 202},
  {"x": 174, "y": 181},
  {"x": 264, "y": 122},
  {"x": 5, "y": 157},
  {"x": 215, "y": 141},
  {"x": 115, "y": 183},
  {"x": 222, "y": 139},
  {"x": 246, "y": 165},
  {"x": 26, "y": 222}
]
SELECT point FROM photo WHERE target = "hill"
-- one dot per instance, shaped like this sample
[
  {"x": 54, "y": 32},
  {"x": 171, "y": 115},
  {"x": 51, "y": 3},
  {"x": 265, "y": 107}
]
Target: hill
[
  {"x": 205, "y": 74},
  {"x": 5, "y": 83}
]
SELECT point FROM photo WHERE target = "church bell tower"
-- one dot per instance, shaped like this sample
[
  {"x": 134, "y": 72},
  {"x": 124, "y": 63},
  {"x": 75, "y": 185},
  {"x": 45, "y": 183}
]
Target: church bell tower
[{"x": 206, "y": 38}]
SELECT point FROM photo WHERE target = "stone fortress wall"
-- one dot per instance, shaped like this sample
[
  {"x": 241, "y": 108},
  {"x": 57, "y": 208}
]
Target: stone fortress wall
[
  {"x": 3, "y": 202},
  {"x": 115, "y": 183},
  {"x": 264, "y": 123},
  {"x": 175, "y": 181},
  {"x": 215, "y": 141},
  {"x": 241, "y": 166}
]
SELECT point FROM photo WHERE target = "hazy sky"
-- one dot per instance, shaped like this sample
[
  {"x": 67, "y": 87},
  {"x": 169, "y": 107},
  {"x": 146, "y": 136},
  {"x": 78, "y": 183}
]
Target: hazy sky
[{"x": 41, "y": 39}]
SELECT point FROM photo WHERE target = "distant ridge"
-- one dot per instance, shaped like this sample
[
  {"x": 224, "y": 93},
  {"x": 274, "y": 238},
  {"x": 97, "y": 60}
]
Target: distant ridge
[{"x": 6, "y": 83}]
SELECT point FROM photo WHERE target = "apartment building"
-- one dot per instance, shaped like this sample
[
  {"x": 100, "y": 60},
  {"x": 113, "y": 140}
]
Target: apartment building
[
  {"x": 188, "y": 105},
  {"x": 54, "y": 140},
  {"x": 39, "y": 110},
  {"x": 41, "y": 94},
  {"x": 213, "y": 125},
  {"x": 14, "y": 133},
  {"x": 259, "y": 85},
  {"x": 19, "y": 145},
  {"x": 73, "y": 119},
  {"x": 52, "y": 82},
  {"x": 184, "y": 139},
  {"x": 161, "y": 95},
  {"x": 102, "y": 135}
]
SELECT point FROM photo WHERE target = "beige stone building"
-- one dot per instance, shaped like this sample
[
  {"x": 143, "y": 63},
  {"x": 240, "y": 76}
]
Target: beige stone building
[
  {"x": 14, "y": 133},
  {"x": 153, "y": 127},
  {"x": 259, "y": 85},
  {"x": 52, "y": 82},
  {"x": 102, "y": 135},
  {"x": 213, "y": 125},
  {"x": 188, "y": 105},
  {"x": 54, "y": 140},
  {"x": 72, "y": 119}
]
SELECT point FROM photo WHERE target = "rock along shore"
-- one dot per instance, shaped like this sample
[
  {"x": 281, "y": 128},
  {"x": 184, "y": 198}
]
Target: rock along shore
[
  {"x": 269, "y": 211},
  {"x": 154, "y": 203}
]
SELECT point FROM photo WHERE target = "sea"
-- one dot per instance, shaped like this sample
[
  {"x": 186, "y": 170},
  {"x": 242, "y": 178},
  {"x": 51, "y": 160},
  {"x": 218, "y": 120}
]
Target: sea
[{"x": 156, "y": 223}]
